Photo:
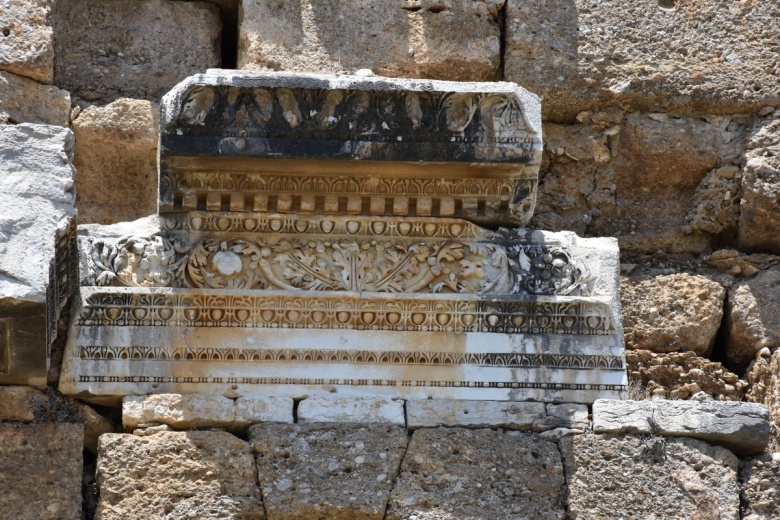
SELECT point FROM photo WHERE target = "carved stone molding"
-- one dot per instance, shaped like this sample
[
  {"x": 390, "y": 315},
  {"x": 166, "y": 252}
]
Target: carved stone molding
[{"x": 255, "y": 141}]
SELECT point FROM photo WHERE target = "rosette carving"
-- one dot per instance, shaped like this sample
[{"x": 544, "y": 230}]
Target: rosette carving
[{"x": 223, "y": 264}]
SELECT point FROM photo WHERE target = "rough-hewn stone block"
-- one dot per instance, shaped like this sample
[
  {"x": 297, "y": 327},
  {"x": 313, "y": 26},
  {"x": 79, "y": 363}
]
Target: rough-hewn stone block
[
  {"x": 23, "y": 100},
  {"x": 478, "y": 474},
  {"x": 673, "y": 56},
  {"x": 137, "y": 49},
  {"x": 752, "y": 320},
  {"x": 672, "y": 313},
  {"x": 116, "y": 160},
  {"x": 27, "y": 40},
  {"x": 36, "y": 209},
  {"x": 178, "y": 411},
  {"x": 475, "y": 414},
  {"x": 338, "y": 472},
  {"x": 41, "y": 471},
  {"x": 366, "y": 410},
  {"x": 204, "y": 475},
  {"x": 759, "y": 218},
  {"x": 649, "y": 477},
  {"x": 18, "y": 403},
  {"x": 457, "y": 39},
  {"x": 741, "y": 427},
  {"x": 252, "y": 409}
]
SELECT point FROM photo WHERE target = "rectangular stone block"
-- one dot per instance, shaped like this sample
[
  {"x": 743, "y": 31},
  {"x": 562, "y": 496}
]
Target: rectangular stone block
[
  {"x": 253, "y": 409},
  {"x": 351, "y": 410},
  {"x": 178, "y": 411},
  {"x": 480, "y": 475},
  {"x": 741, "y": 427},
  {"x": 671, "y": 58},
  {"x": 206, "y": 475},
  {"x": 27, "y": 43},
  {"x": 338, "y": 472},
  {"x": 23, "y": 100},
  {"x": 18, "y": 403},
  {"x": 481, "y": 143},
  {"x": 649, "y": 477},
  {"x": 120, "y": 57},
  {"x": 36, "y": 238},
  {"x": 456, "y": 40},
  {"x": 41, "y": 471},
  {"x": 473, "y": 414}
]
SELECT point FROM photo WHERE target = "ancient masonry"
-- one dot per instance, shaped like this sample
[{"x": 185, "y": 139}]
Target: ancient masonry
[{"x": 315, "y": 237}]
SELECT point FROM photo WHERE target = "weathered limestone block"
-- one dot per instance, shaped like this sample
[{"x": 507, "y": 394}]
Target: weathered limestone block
[
  {"x": 204, "y": 475},
  {"x": 338, "y": 472},
  {"x": 680, "y": 375},
  {"x": 18, "y": 403},
  {"x": 741, "y": 427},
  {"x": 478, "y": 474},
  {"x": 759, "y": 219},
  {"x": 41, "y": 471},
  {"x": 656, "y": 181},
  {"x": 580, "y": 54},
  {"x": 763, "y": 376},
  {"x": 361, "y": 410},
  {"x": 116, "y": 157},
  {"x": 752, "y": 320},
  {"x": 660, "y": 166},
  {"x": 429, "y": 413},
  {"x": 649, "y": 477},
  {"x": 566, "y": 415},
  {"x": 759, "y": 478},
  {"x": 27, "y": 40},
  {"x": 257, "y": 137},
  {"x": 136, "y": 49},
  {"x": 455, "y": 40},
  {"x": 36, "y": 212},
  {"x": 672, "y": 313},
  {"x": 253, "y": 409},
  {"x": 179, "y": 411},
  {"x": 23, "y": 100},
  {"x": 740, "y": 264}
]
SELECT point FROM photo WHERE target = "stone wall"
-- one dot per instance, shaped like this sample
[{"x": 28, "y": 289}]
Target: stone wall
[{"x": 663, "y": 132}]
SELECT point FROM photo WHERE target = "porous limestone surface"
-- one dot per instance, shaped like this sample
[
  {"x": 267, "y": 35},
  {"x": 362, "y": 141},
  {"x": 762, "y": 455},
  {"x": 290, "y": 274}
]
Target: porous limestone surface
[
  {"x": 27, "y": 39},
  {"x": 456, "y": 40},
  {"x": 24, "y": 100},
  {"x": 41, "y": 471},
  {"x": 653, "y": 478},
  {"x": 656, "y": 181},
  {"x": 427, "y": 413},
  {"x": 580, "y": 54},
  {"x": 672, "y": 313},
  {"x": 680, "y": 375},
  {"x": 763, "y": 377},
  {"x": 339, "y": 472},
  {"x": 252, "y": 409},
  {"x": 752, "y": 320},
  {"x": 188, "y": 475},
  {"x": 36, "y": 200},
  {"x": 178, "y": 411},
  {"x": 133, "y": 49},
  {"x": 478, "y": 474},
  {"x": 759, "y": 218},
  {"x": 741, "y": 427},
  {"x": 116, "y": 160},
  {"x": 365, "y": 410},
  {"x": 758, "y": 482}
]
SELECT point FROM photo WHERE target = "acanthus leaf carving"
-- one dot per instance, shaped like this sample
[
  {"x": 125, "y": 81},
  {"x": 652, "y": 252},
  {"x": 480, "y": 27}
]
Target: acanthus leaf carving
[{"x": 136, "y": 262}]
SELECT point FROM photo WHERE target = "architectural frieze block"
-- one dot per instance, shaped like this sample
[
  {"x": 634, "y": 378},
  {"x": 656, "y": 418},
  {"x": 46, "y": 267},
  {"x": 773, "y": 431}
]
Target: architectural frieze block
[
  {"x": 346, "y": 235},
  {"x": 359, "y": 145}
]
